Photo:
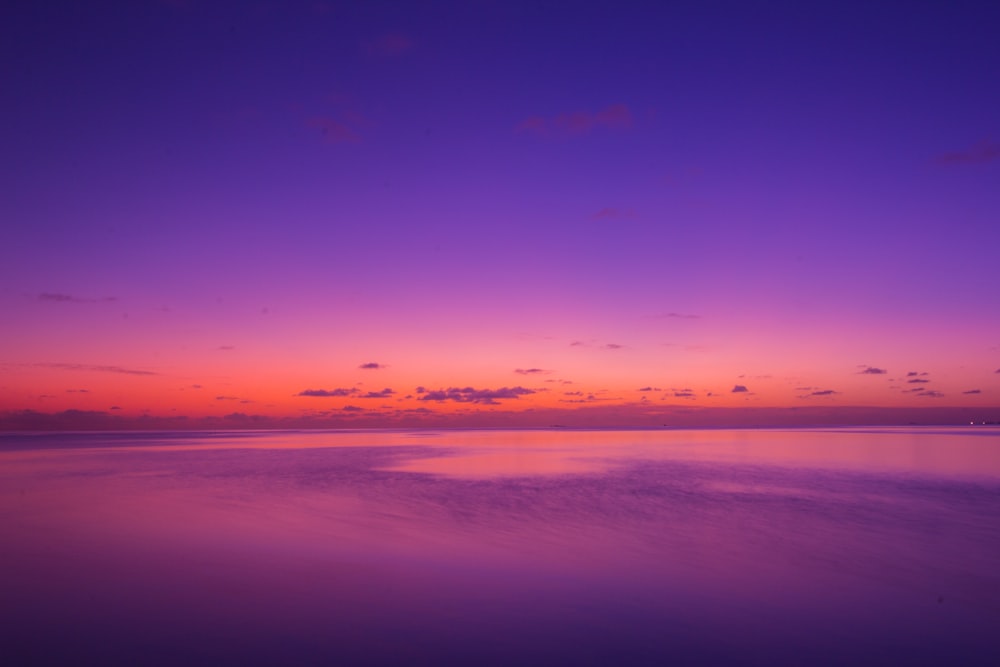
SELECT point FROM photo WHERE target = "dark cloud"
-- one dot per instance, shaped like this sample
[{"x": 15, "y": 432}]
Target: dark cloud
[
  {"x": 385, "y": 393},
  {"x": 531, "y": 371},
  {"x": 646, "y": 389},
  {"x": 912, "y": 374},
  {"x": 572, "y": 393},
  {"x": 352, "y": 408},
  {"x": 917, "y": 381},
  {"x": 471, "y": 395},
  {"x": 57, "y": 297},
  {"x": 739, "y": 389},
  {"x": 984, "y": 151},
  {"x": 227, "y": 398},
  {"x": 613, "y": 346},
  {"x": 114, "y": 407},
  {"x": 77, "y": 391},
  {"x": 372, "y": 366},
  {"x": 687, "y": 393},
  {"x": 932, "y": 394},
  {"x": 871, "y": 370},
  {"x": 97, "y": 369},
  {"x": 823, "y": 392},
  {"x": 327, "y": 393},
  {"x": 972, "y": 391}
]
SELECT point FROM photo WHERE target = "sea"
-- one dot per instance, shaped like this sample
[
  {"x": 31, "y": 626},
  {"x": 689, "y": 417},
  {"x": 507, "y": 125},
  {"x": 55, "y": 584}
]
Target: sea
[{"x": 845, "y": 546}]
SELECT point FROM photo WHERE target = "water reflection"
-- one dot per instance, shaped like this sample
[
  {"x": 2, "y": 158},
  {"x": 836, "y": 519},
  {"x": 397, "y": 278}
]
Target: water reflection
[{"x": 496, "y": 547}]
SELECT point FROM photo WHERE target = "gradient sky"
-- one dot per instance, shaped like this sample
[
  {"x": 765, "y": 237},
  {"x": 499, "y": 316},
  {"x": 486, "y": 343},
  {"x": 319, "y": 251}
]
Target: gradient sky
[{"x": 498, "y": 213}]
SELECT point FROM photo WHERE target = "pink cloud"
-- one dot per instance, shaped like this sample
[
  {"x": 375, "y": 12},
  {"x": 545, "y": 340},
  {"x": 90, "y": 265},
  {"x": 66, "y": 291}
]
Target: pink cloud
[
  {"x": 616, "y": 116},
  {"x": 984, "y": 151},
  {"x": 532, "y": 124},
  {"x": 334, "y": 131},
  {"x": 390, "y": 44}
]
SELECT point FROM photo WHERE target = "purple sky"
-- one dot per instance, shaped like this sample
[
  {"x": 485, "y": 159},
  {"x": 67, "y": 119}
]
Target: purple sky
[{"x": 259, "y": 198}]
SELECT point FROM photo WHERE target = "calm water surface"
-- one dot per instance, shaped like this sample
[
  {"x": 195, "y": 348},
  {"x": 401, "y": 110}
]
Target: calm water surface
[{"x": 561, "y": 547}]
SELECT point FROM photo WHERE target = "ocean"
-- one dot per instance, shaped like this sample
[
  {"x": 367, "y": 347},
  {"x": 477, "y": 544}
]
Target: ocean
[{"x": 848, "y": 546}]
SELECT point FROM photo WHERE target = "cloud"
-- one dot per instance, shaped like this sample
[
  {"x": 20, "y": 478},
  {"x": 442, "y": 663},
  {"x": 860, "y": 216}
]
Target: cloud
[
  {"x": 333, "y": 131},
  {"x": 471, "y": 395},
  {"x": 932, "y": 394},
  {"x": 616, "y": 116},
  {"x": 352, "y": 408},
  {"x": 227, "y": 398},
  {"x": 580, "y": 343},
  {"x": 389, "y": 45},
  {"x": 646, "y": 389},
  {"x": 917, "y": 381},
  {"x": 372, "y": 365},
  {"x": 226, "y": 347},
  {"x": 534, "y": 124},
  {"x": 327, "y": 393},
  {"x": 97, "y": 369},
  {"x": 77, "y": 391},
  {"x": 739, "y": 389},
  {"x": 824, "y": 392},
  {"x": 687, "y": 393},
  {"x": 57, "y": 297},
  {"x": 972, "y": 391},
  {"x": 984, "y": 151},
  {"x": 385, "y": 393},
  {"x": 532, "y": 371},
  {"x": 613, "y": 346},
  {"x": 683, "y": 316},
  {"x": 871, "y": 370}
]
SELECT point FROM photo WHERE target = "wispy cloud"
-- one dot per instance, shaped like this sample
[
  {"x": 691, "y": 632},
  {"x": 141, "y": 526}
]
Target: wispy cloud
[
  {"x": 932, "y": 394},
  {"x": 334, "y": 131},
  {"x": 532, "y": 371},
  {"x": 739, "y": 389},
  {"x": 872, "y": 370},
  {"x": 327, "y": 393},
  {"x": 57, "y": 297},
  {"x": 973, "y": 391},
  {"x": 984, "y": 151},
  {"x": 96, "y": 368},
  {"x": 917, "y": 381},
  {"x": 616, "y": 116},
  {"x": 612, "y": 346},
  {"x": 372, "y": 366},
  {"x": 471, "y": 395},
  {"x": 388, "y": 45},
  {"x": 227, "y": 398}
]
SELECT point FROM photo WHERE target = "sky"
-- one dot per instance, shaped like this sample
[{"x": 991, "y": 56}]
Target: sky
[{"x": 380, "y": 214}]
